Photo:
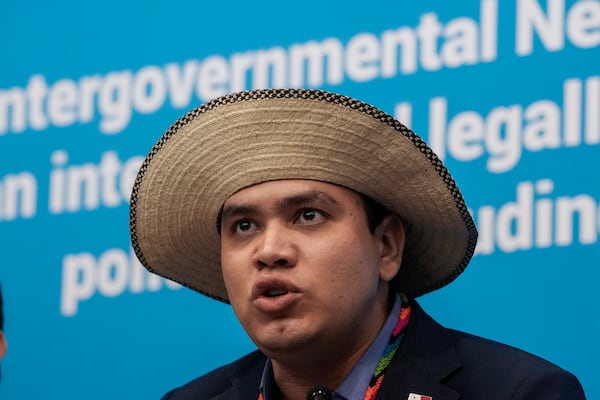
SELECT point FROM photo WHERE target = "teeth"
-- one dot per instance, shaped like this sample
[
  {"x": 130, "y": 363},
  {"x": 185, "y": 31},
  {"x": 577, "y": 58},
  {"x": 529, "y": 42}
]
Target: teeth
[{"x": 275, "y": 293}]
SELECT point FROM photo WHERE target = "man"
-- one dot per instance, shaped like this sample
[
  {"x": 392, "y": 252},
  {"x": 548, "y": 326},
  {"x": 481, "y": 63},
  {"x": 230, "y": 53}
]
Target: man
[{"x": 320, "y": 219}]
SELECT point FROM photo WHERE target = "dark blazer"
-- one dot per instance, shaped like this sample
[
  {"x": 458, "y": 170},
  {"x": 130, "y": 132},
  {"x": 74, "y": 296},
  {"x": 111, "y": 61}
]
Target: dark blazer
[{"x": 431, "y": 360}]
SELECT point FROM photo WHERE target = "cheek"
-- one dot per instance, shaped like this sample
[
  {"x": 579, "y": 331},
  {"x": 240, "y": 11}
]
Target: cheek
[
  {"x": 234, "y": 276},
  {"x": 238, "y": 292},
  {"x": 348, "y": 266}
]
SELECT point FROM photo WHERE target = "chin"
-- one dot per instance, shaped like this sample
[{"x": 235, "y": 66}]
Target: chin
[{"x": 284, "y": 340}]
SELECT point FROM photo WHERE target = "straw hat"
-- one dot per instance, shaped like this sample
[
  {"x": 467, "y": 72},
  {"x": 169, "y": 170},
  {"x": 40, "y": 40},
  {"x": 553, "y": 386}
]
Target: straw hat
[{"x": 255, "y": 136}]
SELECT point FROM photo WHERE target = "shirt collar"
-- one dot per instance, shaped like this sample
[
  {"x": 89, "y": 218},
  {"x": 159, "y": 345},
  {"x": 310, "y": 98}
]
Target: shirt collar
[{"x": 357, "y": 381}]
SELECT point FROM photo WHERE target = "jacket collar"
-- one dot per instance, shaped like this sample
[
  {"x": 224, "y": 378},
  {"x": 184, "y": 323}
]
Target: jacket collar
[
  {"x": 245, "y": 379},
  {"x": 426, "y": 357}
]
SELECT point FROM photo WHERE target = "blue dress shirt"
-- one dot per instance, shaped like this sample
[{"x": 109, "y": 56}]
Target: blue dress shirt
[{"x": 357, "y": 381}]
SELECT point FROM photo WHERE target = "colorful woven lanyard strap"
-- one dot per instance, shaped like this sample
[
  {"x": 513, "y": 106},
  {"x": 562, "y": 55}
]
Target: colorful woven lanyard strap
[
  {"x": 390, "y": 350},
  {"x": 388, "y": 353}
]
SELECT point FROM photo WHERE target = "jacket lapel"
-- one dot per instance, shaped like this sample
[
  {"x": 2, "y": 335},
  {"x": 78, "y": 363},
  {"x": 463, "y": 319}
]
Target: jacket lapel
[
  {"x": 245, "y": 380},
  {"x": 424, "y": 359},
  {"x": 426, "y": 356}
]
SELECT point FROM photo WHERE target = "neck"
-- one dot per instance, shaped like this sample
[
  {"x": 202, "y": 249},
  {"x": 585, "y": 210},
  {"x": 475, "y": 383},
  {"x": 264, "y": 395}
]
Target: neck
[
  {"x": 296, "y": 373},
  {"x": 294, "y": 379}
]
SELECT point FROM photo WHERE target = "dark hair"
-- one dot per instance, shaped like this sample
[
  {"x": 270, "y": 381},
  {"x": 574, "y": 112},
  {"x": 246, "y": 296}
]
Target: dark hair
[{"x": 374, "y": 210}]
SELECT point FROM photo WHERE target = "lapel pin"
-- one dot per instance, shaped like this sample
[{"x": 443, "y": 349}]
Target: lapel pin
[{"x": 414, "y": 396}]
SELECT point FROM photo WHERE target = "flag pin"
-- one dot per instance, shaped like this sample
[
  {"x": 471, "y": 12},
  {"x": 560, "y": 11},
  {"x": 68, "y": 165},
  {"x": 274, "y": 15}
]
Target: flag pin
[{"x": 415, "y": 396}]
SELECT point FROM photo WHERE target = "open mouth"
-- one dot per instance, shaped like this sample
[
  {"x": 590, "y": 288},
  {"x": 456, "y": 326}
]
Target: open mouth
[
  {"x": 275, "y": 296},
  {"x": 272, "y": 288},
  {"x": 275, "y": 293}
]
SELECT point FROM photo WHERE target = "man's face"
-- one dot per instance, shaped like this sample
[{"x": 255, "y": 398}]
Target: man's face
[{"x": 302, "y": 270}]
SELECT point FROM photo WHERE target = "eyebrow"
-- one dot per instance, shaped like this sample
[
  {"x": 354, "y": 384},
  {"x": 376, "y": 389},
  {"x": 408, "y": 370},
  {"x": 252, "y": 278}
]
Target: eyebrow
[{"x": 284, "y": 203}]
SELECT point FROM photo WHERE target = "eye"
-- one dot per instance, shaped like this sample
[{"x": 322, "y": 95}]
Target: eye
[
  {"x": 244, "y": 225},
  {"x": 310, "y": 215}
]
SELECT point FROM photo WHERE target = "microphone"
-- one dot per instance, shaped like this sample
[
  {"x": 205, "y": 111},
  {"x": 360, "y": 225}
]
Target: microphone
[{"x": 318, "y": 392}]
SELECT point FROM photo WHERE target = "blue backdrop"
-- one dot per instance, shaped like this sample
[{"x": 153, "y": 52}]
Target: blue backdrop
[{"x": 507, "y": 93}]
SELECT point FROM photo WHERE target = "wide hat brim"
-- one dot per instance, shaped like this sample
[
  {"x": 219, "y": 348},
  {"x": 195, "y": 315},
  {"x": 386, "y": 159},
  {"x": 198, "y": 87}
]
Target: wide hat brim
[{"x": 256, "y": 136}]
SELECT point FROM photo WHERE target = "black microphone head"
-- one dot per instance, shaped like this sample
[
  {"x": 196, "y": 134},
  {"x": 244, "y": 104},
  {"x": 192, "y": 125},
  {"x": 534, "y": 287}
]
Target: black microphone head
[{"x": 318, "y": 392}]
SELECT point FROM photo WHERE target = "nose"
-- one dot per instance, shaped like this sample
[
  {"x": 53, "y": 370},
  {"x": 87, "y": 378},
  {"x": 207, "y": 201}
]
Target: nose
[{"x": 275, "y": 248}]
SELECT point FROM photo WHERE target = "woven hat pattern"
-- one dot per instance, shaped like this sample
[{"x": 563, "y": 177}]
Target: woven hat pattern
[{"x": 255, "y": 136}]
